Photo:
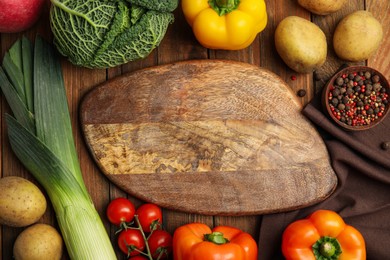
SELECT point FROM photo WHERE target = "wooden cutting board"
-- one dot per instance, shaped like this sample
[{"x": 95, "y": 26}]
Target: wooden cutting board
[{"x": 207, "y": 136}]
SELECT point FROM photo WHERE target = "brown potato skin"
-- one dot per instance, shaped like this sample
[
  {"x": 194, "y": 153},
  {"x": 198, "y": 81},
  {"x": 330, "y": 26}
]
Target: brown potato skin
[
  {"x": 21, "y": 202},
  {"x": 357, "y": 36},
  {"x": 38, "y": 242},
  {"x": 301, "y": 44},
  {"x": 322, "y": 7}
]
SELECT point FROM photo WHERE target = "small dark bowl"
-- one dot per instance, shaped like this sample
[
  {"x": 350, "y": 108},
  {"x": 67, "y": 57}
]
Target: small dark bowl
[{"x": 327, "y": 100}]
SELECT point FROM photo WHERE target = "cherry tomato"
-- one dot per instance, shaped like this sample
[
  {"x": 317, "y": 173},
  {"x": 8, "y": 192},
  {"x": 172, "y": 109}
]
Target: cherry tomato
[
  {"x": 120, "y": 210},
  {"x": 149, "y": 214},
  {"x": 160, "y": 243},
  {"x": 129, "y": 240}
]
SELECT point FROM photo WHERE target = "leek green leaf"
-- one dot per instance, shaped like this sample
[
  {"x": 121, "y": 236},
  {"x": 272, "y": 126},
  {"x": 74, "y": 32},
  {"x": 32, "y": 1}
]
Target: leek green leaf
[
  {"x": 18, "y": 106},
  {"x": 14, "y": 74},
  {"x": 27, "y": 58}
]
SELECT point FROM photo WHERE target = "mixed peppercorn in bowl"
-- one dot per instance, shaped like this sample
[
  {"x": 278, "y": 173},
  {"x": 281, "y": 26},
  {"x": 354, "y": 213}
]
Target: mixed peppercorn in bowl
[{"x": 357, "y": 98}]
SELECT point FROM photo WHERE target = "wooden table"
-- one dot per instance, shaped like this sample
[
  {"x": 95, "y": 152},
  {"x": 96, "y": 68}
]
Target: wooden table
[{"x": 178, "y": 45}]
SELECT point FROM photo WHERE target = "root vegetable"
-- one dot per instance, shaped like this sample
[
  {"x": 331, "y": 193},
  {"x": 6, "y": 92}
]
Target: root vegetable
[
  {"x": 38, "y": 242},
  {"x": 322, "y": 7},
  {"x": 357, "y": 36},
  {"x": 301, "y": 44},
  {"x": 21, "y": 202}
]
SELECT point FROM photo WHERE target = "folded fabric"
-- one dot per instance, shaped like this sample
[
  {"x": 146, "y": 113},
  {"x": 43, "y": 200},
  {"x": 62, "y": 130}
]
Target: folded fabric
[{"x": 362, "y": 196}]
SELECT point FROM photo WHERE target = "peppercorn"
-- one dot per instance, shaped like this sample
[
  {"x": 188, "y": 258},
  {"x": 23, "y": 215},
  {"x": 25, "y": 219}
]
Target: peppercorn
[
  {"x": 357, "y": 78},
  {"x": 385, "y": 146},
  {"x": 349, "y": 91},
  {"x": 375, "y": 78},
  {"x": 341, "y": 106},
  {"x": 377, "y": 87},
  {"x": 367, "y": 75},
  {"x": 301, "y": 93},
  {"x": 357, "y": 88},
  {"x": 339, "y": 81},
  {"x": 336, "y": 92}
]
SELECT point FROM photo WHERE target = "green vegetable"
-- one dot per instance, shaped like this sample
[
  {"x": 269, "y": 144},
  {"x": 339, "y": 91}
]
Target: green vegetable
[
  {"x": 42, "y": 140},
  {"x": 104, "y": 33}
]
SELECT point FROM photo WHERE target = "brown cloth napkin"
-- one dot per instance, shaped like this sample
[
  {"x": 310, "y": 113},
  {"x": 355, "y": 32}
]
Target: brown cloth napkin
[{"x": 362, "y": 196}]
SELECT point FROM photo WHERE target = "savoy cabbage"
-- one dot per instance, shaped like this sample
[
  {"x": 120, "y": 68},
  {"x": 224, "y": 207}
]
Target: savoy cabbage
[{"x": 107, "y": 33}]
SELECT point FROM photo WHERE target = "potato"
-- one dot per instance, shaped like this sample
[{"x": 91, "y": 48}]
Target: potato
[
  {"x": 301, "y": 44},
  {"x": 357, "y": 36},
  {"x": 38, "y": 242},
  {"x": 322, "y": 7},
  {"x": 21, "y": 202}
]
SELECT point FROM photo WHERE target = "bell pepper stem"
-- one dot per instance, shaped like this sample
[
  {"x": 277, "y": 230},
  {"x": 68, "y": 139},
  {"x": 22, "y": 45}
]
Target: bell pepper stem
[
  {"x": 216, "y": 238},
  {"x": 223, "y": 7},
  {"x": 327, "y": 248}
]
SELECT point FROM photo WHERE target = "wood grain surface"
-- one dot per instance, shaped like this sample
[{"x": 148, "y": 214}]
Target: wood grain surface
[
  {"x": 180, "y": 44},
  {"x": 209, "y": 137}
]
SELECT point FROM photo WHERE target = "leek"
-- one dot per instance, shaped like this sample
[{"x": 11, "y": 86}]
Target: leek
[{"x": 40, "y": 135}]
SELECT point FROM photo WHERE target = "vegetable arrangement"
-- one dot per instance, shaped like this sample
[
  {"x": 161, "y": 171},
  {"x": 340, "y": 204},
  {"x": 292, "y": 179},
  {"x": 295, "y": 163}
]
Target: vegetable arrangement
[
  {"x": 140, "y": 230},
  {"x": 40, "y": 133},
  {"x": 323, "y": 235},
  {"x": 225, "y": 24},
  {"x": 197, "y": 241},
  {"x": 103, "y": 33}
]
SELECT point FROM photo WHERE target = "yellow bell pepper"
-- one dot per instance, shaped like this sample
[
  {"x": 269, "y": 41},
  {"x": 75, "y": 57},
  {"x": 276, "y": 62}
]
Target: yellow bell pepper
[{"x": 225, "y": 24}]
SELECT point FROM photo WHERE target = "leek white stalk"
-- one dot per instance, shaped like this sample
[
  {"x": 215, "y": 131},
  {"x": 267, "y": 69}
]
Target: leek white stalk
[{"x": 40, "y": 134}]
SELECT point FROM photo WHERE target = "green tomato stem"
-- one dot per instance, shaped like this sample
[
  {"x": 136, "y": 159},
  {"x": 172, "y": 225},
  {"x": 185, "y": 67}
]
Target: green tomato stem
[{"x": 148, "y": 253}]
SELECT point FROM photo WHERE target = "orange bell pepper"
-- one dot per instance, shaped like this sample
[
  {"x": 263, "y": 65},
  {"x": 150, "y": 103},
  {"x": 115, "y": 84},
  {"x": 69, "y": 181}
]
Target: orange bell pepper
[
  {"x": 225, "y": 24},
  {"x": 322, "y": 235},
  {"x": 196, "y": 241}
]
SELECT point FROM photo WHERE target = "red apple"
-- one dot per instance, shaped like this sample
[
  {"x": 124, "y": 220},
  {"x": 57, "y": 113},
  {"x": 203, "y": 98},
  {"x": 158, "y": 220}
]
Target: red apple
[{"x": 19, "y": 15}]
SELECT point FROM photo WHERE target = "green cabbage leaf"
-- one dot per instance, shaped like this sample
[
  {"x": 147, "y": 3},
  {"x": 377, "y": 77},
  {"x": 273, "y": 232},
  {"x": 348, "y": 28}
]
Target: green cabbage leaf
[{"x": 104, "y": 33}]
